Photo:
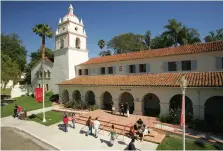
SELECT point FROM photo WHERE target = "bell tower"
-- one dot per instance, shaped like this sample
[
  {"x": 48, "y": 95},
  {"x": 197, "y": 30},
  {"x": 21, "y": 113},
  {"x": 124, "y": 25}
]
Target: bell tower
[{"x": 71, "y": 48}]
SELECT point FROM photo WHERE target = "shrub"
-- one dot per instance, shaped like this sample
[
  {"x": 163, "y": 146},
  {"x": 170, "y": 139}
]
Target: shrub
[
  {"x": 48, "y": 95},
  {"x": 68, "y": 104},
  {"x": 81, "y": 105},
  {"x": 93, "y": 107},
  {"x": 166, "y": 119}
]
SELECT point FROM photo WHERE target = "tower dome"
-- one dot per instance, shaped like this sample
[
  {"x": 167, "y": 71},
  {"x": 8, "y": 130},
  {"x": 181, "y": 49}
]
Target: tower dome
[{"x": 70, "y": 16}]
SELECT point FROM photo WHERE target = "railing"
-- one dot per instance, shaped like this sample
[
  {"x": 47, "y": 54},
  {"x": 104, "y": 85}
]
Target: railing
[
  {"x": 122, "y": 132},
  {"x": 105, "y": 126}
]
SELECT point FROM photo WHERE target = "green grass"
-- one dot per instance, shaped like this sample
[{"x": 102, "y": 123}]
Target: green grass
[
  {"x": 6, "y": 91},
  {"x": 51, "y": 118},
  {"x": 170, "y": 143},
  {"x": 27, "y": 102}
]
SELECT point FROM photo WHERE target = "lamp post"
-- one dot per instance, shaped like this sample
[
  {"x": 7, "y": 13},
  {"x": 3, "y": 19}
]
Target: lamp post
[{"x": 183, "y": 85}]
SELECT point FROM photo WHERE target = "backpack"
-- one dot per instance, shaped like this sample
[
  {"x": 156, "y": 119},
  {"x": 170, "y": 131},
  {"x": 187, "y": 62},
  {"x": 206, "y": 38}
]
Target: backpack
[{"x": 88, "y": 123}]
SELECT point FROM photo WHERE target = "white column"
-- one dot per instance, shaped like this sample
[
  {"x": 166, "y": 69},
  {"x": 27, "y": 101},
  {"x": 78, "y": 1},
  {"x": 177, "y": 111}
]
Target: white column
[
  {"x": 164, "y": 109},
  {"x": 138, "y": 108}
]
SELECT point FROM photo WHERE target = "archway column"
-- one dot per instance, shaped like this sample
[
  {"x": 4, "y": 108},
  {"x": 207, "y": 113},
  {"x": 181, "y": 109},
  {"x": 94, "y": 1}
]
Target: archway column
[
  {"x": 164, "y": 109},
  {"x": 116, "y": 103},
  {"x": 138, "y": 108},
  {"x": 198, "y": 112},
  {"x": 98, "y": 101}
]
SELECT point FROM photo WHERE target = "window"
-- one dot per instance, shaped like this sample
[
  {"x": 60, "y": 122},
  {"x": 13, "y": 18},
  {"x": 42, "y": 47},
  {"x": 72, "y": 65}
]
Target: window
[
  {"x": 172, "y": 66},
  {"x": 39, "y": 86},
  {"x": 132, "y": 68},
  {"x": 86, "y": 71},
  {"x": 48, "y": 72},
  {"x": 110, "y": 70},
  {"x": 61, "y": 43},
  {"x": 44, "y": 74},
  {"x": 76, "y": 28},
  {"x": 80, "y": 72},
  {"x": 78, "y": 43},
  {"x": 142, "y": 68},
  {"x": 186, "y": 65},
  {"x": 41, "y": 74},
  {"x": 102, "y": 70}
]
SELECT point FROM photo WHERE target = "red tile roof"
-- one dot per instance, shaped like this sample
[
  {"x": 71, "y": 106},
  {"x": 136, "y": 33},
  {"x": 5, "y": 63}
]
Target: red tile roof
[
  {"x": 195, "y": 79},
  {"x": 182, "y": 50}
]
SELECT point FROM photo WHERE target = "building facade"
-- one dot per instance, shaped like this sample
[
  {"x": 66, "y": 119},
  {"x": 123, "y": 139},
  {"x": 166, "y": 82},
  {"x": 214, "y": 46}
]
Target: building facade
[{"x": 147, "y": 80}]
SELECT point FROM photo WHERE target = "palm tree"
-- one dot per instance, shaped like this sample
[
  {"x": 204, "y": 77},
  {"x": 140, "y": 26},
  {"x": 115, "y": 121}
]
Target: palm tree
[
  {"x": 188, "y": 36},
  {"x": 43, "y": 30},
  {"x": 148, "y": 39},
  {"x": 173, "y": 29},
  {"x": 214, "y": 37},
  {"x": 101, "y": 43}
]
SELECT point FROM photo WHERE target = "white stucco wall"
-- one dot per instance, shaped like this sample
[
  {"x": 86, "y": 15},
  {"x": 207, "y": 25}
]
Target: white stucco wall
[{"x": 205, "y": 62}]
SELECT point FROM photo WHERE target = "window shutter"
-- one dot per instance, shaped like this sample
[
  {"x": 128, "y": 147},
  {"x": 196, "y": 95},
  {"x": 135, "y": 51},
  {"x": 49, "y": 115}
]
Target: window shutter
[
  {"x": 114, "y": 69},
  {"x": 194, "y": 65},
  {"x": 137, "y": 68},
  {"x": 165, "y": 66},
  {"x": 106, "y": 70},
  {"x": 147, "y": 67},
  {"x": 218, "y": 62},
  {"x": 127, "y": 69},
  {"x": 99, "y": 71},
  {"x": 179, "y": 65}
]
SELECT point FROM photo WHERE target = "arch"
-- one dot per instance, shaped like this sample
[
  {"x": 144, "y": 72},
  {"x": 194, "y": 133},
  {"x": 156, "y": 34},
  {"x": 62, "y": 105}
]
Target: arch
[
  {"x": 65, "y": 96},
  {"x": 106, "y": 100},
  {"x": 78, "y": 43},
  {"x": 127, "y": 97},
  {"x": 175, "y": 107},
  {"x": 90, "y": 98},
  {"x": 76, "y": 96},
  {"x": 213, "y": 111},
  {"x": 151, "y": 105}
]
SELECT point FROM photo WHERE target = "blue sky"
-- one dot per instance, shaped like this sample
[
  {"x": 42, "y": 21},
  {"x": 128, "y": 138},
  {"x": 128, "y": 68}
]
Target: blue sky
[{"x": 104, "y": 20}]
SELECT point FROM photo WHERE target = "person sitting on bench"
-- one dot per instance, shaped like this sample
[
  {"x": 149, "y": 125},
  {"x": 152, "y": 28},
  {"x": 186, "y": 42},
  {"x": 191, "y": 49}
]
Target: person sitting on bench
[
  {"x": 140, "y": 132},
  {"x": 138, "y": 124}
]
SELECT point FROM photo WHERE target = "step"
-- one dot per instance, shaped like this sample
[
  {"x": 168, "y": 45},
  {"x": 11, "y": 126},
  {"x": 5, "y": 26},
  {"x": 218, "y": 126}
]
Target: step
[{"x": 154, "y": 137}]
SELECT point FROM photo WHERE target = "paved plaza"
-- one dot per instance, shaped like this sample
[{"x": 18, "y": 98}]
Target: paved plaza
[{"x": 74, "y": 139}]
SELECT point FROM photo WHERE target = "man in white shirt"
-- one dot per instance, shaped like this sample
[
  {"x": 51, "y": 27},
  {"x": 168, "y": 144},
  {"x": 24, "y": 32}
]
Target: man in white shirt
[{"x": 96, "y": 126}]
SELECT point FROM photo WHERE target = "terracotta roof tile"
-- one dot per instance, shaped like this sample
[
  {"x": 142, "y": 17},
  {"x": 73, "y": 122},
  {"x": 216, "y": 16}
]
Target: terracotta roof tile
[
  {"x": 195, "y": 79},
  {"x": 182, "y": 50}
]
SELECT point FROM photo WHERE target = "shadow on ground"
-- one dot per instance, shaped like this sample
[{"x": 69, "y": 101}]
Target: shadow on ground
[{"x": 34, "y": 116}]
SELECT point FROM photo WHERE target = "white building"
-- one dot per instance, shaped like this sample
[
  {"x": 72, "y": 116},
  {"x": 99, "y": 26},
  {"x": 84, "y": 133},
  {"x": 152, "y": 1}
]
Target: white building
[{"x": 148, "y": 80}]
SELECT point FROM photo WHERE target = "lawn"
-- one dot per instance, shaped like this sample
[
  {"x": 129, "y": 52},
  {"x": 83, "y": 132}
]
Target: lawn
[
  {"x": 51, "y": 118},
  {"x": 27, "y": 102},
  {"x": 6, "y": 91},
  {"x": 170, "y": 143}
]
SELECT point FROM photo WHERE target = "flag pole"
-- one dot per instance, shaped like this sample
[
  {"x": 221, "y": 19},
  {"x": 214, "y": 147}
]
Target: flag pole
[{"x": 43, "y": 58}]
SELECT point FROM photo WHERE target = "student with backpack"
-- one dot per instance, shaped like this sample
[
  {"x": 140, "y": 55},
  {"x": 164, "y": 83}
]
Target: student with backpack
[
  {"x": 19, "y": 111},
  {"x": 89, "y": 124},
  {"x": 15, "y": 111}
]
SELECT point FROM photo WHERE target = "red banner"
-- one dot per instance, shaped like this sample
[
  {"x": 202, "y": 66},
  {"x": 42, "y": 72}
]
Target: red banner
[
  {"x": 39, "y": 94},
  {"x": 182, "y": 112}
]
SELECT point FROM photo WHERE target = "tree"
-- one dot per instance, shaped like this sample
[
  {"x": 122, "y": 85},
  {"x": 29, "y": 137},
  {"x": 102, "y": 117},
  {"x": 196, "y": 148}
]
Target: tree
[
  {"x": 162, "y": 41},
  {"x": 214, "y": 37},
  {"x": 101, "y": 43},
  {"x": 43, "y": 31},
  {"x": 148, "y": 39},
  {"x": 10, "y": 70},
  {"x": 105, "y": 53},
  {"x": 188, "y": 36},
  {"x": 11, "y": 45},
  {"x": 127, "y": 42},
  {"x": 173, "y": 29}
]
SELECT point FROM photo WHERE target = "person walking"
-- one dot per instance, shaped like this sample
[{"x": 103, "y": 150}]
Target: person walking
[
  {"x": 132, "y": 145},
  {"x": 113, "y": 135},
  {"x": 132, "y": 132},
  {"x": 89, "y": 124},
  {"x": 127, "y": 109},
  {"x": 15, "y": 111},
  {"x": 65, "y": 121},
  {"x": 122, "y": 108},
  {"x": 96, "y": 127},
  {"x": 19, "y": 111},
  {"x": 73, "y": 119}
]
